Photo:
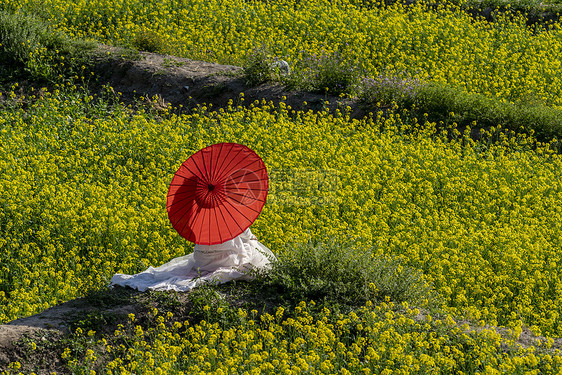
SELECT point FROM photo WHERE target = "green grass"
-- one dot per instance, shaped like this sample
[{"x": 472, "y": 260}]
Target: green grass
[
  {"x": 29, "y": 47},
  {"x": 341, "y": 274},
  {"x": 443, "y": 103}
]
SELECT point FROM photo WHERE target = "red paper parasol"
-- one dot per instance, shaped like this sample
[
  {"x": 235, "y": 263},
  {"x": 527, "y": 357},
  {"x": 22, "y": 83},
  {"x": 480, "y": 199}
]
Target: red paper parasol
[{"x": 217, "y": 193}]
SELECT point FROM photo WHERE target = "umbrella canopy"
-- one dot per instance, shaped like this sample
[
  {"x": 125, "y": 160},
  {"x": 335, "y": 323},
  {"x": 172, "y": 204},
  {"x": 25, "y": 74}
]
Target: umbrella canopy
[{"x": 217, "y": 193}]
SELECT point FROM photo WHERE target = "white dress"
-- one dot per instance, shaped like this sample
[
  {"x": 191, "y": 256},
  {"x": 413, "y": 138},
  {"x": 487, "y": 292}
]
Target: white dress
[{"x": 230, "y": 260}]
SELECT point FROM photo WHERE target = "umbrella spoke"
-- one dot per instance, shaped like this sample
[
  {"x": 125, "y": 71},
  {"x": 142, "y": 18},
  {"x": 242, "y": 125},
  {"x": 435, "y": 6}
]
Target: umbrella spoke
[
  {"x": 244, "y": 165},
  {"x": 232, "y": 164},
  {"x": 181, "y": 201},
  {"x": 220, "y": 158},
  {"x": 201, "y": 173},
  {"x": 241, "y": 214},
  {"x": 185, "y": 230},
  {"x": 230, "y": 222},
  {"x": 185, "y": 172}
]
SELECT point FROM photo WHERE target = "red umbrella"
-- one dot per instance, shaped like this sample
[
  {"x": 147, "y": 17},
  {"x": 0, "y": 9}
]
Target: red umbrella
[{"x": 217, "y": 193}]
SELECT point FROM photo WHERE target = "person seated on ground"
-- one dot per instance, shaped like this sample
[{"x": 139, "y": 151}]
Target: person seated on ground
[
  {"x": 234, "y": 259},
  {"x": 215, "y": 193}
]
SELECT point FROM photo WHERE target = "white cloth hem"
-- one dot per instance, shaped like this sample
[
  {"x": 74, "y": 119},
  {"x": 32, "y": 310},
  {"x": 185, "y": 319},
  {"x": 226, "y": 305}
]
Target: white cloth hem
[{"x": 231, "y": 260}]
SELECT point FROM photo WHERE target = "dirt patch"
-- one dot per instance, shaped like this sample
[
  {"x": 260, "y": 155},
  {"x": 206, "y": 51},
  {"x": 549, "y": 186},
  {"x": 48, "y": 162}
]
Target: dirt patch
[
  {"x": 44, "y": 332},
  {"x": 17, "y": 336},
  {"x": 185, "y": 83},
  {"x": 37, "y": 342}
]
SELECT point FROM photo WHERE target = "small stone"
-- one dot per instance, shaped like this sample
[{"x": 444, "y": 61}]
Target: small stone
[{"x": 282, "y": 66}]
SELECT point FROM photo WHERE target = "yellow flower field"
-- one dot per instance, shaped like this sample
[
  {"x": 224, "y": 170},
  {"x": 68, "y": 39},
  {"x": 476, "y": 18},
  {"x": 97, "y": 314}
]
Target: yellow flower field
[
  {"x": 82, "y": 196},
  {"x": 375, "y": 340},
  {"x": 503, "y": 59},
  {"x": 83, "y": 189}
]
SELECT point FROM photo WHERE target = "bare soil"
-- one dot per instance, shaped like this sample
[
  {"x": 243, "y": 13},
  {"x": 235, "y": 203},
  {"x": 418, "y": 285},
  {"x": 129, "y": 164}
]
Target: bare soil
[{"x": 185, "y": 83}]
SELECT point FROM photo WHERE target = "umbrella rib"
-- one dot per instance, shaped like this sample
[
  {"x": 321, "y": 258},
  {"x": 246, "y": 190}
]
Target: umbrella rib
[
  {"x": 244, "y": 185},
  {"x": 224, "y": 220},
  {"x": 242, "y": 195},
  {"x": 195, "y": 193},
  {"x": 218, "y": 200},
  {"x": 187, "y": 185},
  {"x": 180, "y": 172},
  {"x": 218, "y": 225},
  {"x": 228, "y": 173},
  {"x": 202, "y": 193},
  {"x": 234, "y": 219},
  {"x": 184, "y": 177},
  {"x": 179, "y": 200},
  {"x": 219, "y": 169},
  {"x": 215, "y": 170},
  {"x": 180, "y": 193},
  {"x": 209, "y": 227},
  {"x": 197, "y": 182},
  {"x": 223, "y": 200},
  {"x": 214, "y": 202},
  {"x": 186, "y": 166},
  {"x": 235, "y": 184},
  {"x": 258, "y": 179},
  {"x": 190, "y": 189},
  {"x": 192, "y": 194},
  {"x": 240, "y": 178},
  {"x": 242, "y": 214},
  {"x": 210, "y": 170},
  {"x": 214, "y": 199},
  {"x": 205, "y": 160},
  {"x": 203, "y": 175},
  {"x": 192, "y": 217},
  {"x": 190, "y": 222},
  {"x": 201, "y": 227},
  {"x": 202, "y": 219},
  {"x": 234, "y": 193}
]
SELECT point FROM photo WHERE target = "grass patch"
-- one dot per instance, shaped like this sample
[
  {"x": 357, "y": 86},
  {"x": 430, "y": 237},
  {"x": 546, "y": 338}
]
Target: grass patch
[
  {"x": 445, "y": 103},
  {"x": 257, "y": 67},
  {"x": 332, "y": 74},
  {"x": 447, "y": 106},
  {"x": 340, "y": 274},
  {"x": 386, "y": 90},
  {"x": 29, "y": 47},
  {"x": 148, "y": 41}
]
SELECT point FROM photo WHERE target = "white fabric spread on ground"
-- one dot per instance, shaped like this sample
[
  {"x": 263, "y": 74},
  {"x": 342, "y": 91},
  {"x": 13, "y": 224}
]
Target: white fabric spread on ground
[{"x": 231, "y": 260}]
